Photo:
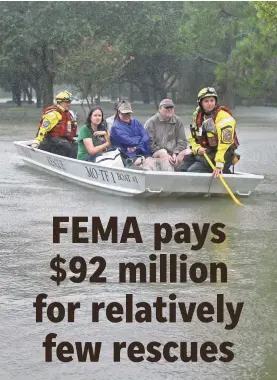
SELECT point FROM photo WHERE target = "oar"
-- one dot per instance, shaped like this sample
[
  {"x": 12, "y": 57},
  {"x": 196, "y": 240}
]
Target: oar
[
  {"x": 223, "y": 182},
  {"x": 210, "y": 185}
]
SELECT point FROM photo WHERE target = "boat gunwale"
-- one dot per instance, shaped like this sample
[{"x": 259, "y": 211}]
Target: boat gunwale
[{"x": 134, "y": 171}]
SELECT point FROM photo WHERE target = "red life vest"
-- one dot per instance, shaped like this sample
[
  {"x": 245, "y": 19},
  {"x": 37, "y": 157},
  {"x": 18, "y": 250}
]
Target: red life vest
[
  {"x": 204, "y": 140},
  {"x": 64, "y": 128}
]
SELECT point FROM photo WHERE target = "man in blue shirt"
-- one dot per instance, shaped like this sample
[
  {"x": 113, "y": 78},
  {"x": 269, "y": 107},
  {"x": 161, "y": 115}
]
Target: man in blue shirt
[{"x": 128, "y": 134}]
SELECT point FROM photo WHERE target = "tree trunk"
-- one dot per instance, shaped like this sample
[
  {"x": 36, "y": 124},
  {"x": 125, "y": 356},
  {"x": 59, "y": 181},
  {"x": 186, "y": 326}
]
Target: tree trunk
[
  {"x": 16, "y": 94},
  {"x": 120, "y": 89},
  {"x": 28, "y": 95},
  {"x": 163, "y": 93},
  {"x": 230, "y": 44},
  {"x": 158, "y": 90},
  {"x": 228, "y": 98},
  {"x": 196, "y": 80},
  {"x": 131, "y": 93},
  {"x": 36, "y": 84},
  {"x": 144, "y": 90},
  {"x": 48, "y": 76},
  {"x": 48, "y": 91},
  {"x": 156, "y": 100},
  {"x": 38, "y": 96},
  {"x": 114, "y": 93},
  {"x": 174, "y": 97}
]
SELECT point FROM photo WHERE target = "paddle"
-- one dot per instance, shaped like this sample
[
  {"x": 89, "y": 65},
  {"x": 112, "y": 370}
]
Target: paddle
[
  {"x": 223, "y": 182},
  {"x": 210, "y": 185}
]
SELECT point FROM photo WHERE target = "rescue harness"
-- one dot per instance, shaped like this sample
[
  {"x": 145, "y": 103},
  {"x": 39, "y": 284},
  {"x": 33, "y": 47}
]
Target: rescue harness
[
  {"x": 64, "y": 128},
  {"x": 210, "y": 141}
]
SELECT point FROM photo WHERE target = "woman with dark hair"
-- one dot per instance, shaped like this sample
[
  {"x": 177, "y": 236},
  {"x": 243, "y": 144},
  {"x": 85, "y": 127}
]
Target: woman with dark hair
[{"x": 93, "y": 138}]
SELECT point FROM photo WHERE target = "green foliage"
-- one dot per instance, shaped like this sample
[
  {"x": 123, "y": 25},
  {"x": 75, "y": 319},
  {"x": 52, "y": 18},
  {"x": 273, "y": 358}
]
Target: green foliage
[
  {"x": 93, "y": 66},
  {"x": 231, "y": 45},
  {"x": 267, "y": 11},
  {"x": 148, "y": 31},
  {"x": 253, "y": 64},
  {"x": 36, "y": 37}
]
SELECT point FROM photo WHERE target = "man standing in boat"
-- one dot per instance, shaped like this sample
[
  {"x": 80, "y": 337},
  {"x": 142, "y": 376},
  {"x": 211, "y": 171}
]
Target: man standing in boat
[
  {"x": 57, "y": 128},
  {"x": 213, "y": 132}
]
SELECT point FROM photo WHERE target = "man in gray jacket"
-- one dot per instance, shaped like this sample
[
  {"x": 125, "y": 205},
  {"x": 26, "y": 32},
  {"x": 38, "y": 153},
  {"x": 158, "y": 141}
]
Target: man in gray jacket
[{"x": 167, "y": 135}]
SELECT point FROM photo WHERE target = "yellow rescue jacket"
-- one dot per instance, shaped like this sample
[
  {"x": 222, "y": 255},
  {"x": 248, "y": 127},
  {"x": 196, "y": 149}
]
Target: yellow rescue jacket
[
  {"x": 56, "y": 121},
  {"x": 216, "y": 132}
]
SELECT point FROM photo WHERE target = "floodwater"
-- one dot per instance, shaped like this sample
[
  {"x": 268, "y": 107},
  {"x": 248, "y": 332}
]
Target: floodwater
[{"x": 29, "y": 199}]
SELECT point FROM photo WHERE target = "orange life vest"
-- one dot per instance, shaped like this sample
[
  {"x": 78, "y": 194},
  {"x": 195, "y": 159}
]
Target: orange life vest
[
  {"x": 204, "y": 140},
  {"x": 64, "y": 128}
]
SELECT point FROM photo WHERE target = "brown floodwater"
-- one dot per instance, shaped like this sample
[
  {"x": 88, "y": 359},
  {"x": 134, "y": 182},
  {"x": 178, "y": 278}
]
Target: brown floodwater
[{"x": 28, "y": 201}]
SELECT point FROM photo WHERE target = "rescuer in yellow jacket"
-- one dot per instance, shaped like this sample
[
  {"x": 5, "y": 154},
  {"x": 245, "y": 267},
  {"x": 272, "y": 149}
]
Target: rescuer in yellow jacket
[
  {"x": 57, "y": 128},
  {"x": 213, "y": 132}
]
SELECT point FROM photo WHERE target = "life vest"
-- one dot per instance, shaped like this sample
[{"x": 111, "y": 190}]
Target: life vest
[
  {"x": 64, "y": 128},
  {"x": 212, "y": 141}
]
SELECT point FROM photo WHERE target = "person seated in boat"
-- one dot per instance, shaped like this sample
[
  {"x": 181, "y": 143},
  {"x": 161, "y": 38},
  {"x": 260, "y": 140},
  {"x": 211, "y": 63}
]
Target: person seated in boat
[
  {"x": 93, "y": 138},
  {"x": 110, "y": 120},
  {"x": 213, "y": 132},
  {"x": 74, "y": 117},
  {"x": 57, "y": 128},
  {"x": 130, "y": 137},
  {"x": 167, "y": 136}
]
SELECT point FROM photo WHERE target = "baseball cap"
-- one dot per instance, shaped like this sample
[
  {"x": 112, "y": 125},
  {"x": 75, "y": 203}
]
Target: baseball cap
[
  {"x": 166, "y": 103},
  {"x": 125, "y": 107}
]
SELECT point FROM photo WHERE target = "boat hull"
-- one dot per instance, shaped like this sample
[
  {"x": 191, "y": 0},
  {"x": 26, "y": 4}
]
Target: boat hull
[{"x": 131, "y": 182}]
